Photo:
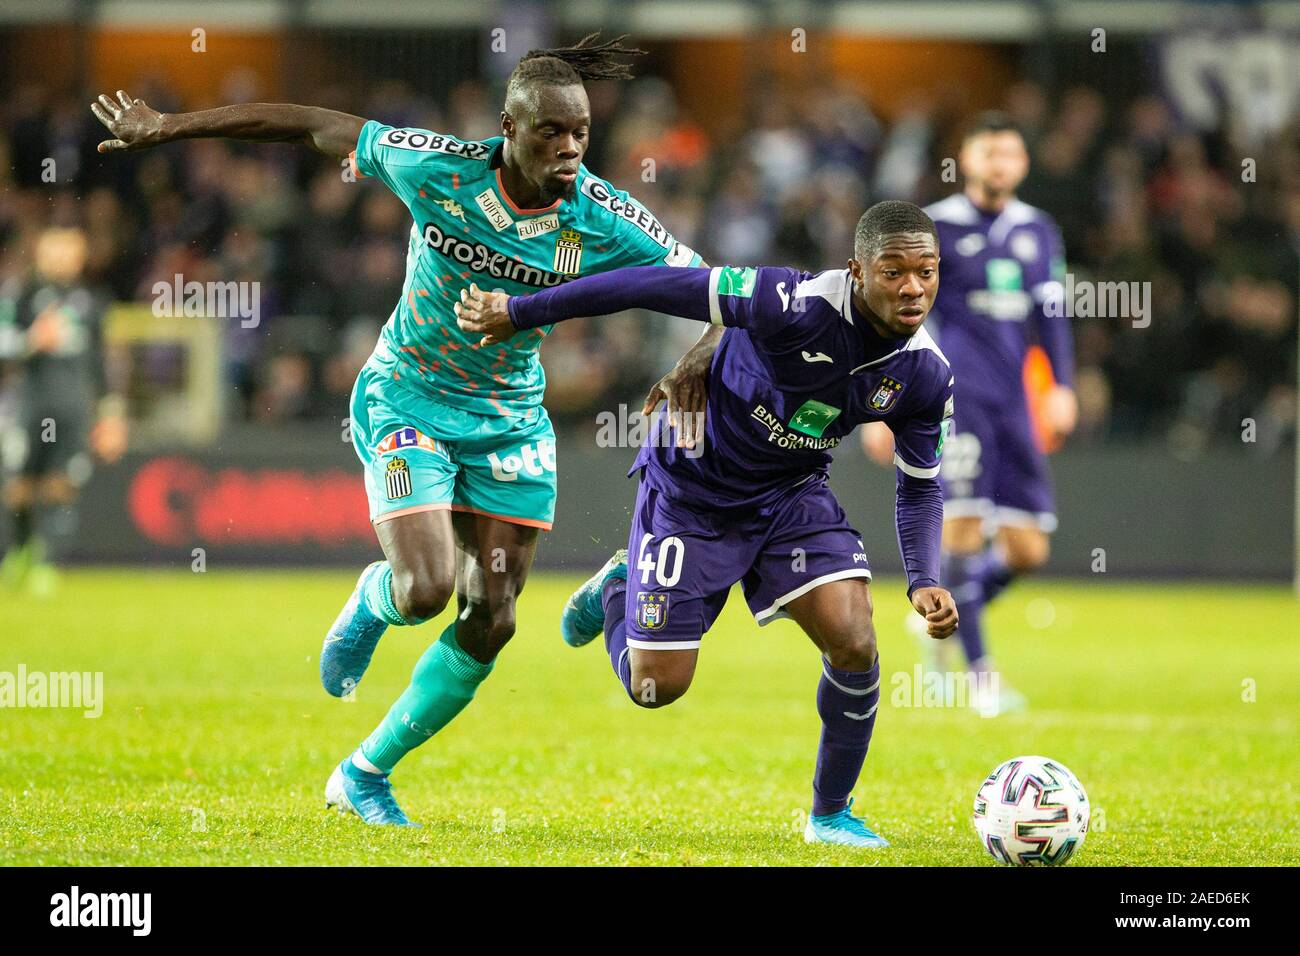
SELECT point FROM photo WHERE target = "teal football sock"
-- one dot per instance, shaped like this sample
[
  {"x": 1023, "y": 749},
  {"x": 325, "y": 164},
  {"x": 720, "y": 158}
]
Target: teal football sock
[
  {"x": 443, "y": 682},
  {"x": 378, "y": 595}
]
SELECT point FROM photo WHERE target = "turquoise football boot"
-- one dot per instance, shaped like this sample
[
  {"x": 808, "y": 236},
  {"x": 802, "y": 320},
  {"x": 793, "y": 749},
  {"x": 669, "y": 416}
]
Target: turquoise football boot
[
  {"x": 844, "y": 829},
  {"x": 351, "y": 641},
  {"x": 583, "y": 617},
  {"x": 369, "y": 795}
]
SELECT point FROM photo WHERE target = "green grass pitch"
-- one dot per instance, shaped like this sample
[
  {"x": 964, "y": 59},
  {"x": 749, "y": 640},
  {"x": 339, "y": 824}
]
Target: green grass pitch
[{"x": 1177, "y": 706}]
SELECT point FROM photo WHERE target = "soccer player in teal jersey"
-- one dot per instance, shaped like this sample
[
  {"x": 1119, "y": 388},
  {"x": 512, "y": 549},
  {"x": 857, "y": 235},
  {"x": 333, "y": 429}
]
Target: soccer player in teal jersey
[{"x": 459, "y": 454}]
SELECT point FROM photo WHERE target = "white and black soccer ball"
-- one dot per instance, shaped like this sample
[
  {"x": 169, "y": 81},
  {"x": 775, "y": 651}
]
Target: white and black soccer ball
[{"x": 1031, "y": 811}]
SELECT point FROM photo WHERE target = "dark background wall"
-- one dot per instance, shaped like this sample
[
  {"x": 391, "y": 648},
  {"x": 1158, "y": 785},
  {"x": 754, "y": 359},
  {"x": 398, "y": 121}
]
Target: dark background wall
[{"x": 271, "y": 497}]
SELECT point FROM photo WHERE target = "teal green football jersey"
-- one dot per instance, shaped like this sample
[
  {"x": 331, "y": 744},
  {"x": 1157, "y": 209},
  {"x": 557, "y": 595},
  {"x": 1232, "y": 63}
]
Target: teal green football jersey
[{"x": 466, "y": 229}]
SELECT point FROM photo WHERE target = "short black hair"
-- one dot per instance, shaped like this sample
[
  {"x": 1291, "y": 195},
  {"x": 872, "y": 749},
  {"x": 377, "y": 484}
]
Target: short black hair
[
  {"x": 885, "y": 219},
  {"x": 588, "y": 59},
  {"x": 991, "y": 121}
]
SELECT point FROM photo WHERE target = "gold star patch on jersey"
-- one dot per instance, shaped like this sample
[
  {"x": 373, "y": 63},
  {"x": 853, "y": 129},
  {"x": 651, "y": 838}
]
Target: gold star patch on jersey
[{"x": 568, "y": 252}]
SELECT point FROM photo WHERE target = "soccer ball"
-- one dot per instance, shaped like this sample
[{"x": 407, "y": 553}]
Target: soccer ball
[{"x": 1031, "y": 811}]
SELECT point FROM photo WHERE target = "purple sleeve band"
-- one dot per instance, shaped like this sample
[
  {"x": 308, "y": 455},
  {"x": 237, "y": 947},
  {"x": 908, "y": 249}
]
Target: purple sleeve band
[
  {"x": 918, "y": 514},
  {"x": 683, "y": 292}
]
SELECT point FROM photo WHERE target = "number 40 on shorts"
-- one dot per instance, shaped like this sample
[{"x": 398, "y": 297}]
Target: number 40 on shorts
[{"x": 665, "y": 562}]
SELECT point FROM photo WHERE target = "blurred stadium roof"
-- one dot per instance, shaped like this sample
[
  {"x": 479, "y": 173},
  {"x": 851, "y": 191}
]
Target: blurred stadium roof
[{"x": 971, "y": 19}]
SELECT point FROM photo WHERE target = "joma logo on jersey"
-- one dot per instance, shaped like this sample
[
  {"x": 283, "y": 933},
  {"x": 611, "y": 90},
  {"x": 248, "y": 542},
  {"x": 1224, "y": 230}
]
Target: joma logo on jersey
[
  {"x": 886, "y": 394},
  {"x": 568, "y": 253},
  {"x": 532, "y": 460}
]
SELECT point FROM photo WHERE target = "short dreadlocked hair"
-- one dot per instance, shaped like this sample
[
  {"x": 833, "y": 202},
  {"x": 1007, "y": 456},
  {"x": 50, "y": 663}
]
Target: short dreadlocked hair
[
  {"x": 588, "y": 59},
  {"x": 885, "y": 219}
]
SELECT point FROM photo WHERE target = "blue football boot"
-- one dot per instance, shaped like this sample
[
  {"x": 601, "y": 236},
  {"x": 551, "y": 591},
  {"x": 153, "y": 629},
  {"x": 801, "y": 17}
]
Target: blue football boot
[
  {"x": 369, "y": 795},
  {"x": 583, "y": 617},
  {"x": 842, "y": 828},
  {"x": 351, "y": 641}
]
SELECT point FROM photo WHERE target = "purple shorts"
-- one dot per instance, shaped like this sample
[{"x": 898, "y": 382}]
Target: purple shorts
[
  {"x": 682, "y": 561},
  {"x": 992, "y": 468}
]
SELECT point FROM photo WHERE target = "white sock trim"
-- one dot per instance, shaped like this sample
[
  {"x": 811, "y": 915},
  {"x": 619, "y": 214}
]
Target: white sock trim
[{"x": 361, "y": 763}]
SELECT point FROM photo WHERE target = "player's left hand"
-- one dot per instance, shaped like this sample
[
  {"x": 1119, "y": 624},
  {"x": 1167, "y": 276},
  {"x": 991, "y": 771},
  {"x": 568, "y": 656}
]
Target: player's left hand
[
  {"x": 685, "y": 390},
  {"x": 1059, "y": 411},
  {"x": 937, "y": 607},
  {"x": 484, "y": 312}
]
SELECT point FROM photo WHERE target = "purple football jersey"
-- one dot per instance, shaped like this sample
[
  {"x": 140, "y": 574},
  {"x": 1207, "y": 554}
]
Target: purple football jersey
[
  {"x": 999, "y": 270},
  {"x": 797, "y": 370}
]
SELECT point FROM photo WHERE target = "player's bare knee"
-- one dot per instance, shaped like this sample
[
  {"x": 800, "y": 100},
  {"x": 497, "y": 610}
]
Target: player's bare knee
[
  {"x": 492, "y": 619},
  {"x": 654, "y": 692},
  {"x": 853, "y": 649},
  {"x": 963, "y": 535},
  {"x": 421, "y": 596},
  {"x": 1027, "y": 553}
]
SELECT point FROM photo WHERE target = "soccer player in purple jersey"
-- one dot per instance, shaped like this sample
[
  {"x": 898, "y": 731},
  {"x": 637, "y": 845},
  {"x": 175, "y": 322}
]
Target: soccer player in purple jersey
[
  {"x": 1003, "y": 262},
  {"x": 804, "y": 359}
]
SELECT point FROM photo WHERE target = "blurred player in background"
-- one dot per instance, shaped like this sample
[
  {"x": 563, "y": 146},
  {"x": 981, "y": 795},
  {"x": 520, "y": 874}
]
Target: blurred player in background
[
  {"x": 1003, "y": 264},
  {"x": 53, "y": 375},
  {"x": 458, "y": 452},
  {"x": 805, "y": 358}
]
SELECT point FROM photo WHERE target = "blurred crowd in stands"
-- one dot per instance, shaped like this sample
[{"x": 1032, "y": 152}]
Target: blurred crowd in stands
[{"x": 1213, "y": 224}]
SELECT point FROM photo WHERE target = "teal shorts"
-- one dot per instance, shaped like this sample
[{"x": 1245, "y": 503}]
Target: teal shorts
[{"x": 422, "y": 455}]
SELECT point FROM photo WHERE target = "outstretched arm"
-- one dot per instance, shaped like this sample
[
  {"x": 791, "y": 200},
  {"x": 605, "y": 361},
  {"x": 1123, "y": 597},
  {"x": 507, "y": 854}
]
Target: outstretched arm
[
  {"x": 498, "y": 316},
  {"x": 135, "y": 125}
]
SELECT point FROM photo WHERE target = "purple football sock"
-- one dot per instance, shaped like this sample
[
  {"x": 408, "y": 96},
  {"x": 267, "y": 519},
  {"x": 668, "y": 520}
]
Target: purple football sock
[
  {"x": 990, "y": 570},
  {"x": 847, "y": 702},
  {"x": 974, "y": 581},
  {"x": 968, "y": 593},
  {"x": 614, "y": 598}
]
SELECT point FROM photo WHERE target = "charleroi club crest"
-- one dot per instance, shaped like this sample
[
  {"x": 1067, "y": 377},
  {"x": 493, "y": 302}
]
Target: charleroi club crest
[
  {"x": 651, "y": 610},
  {"x": 397, "y": 478},
  {"x": 568, "y": 252}
]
